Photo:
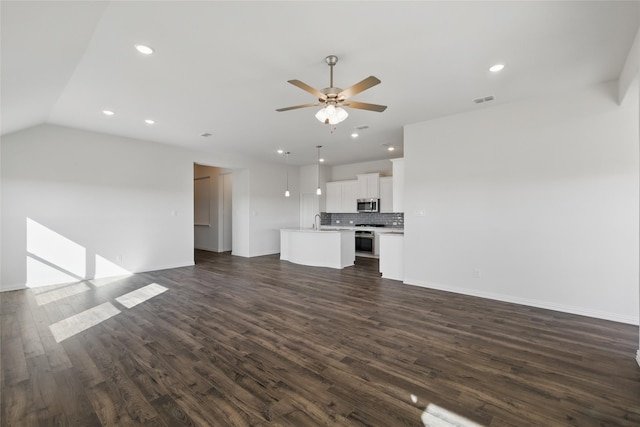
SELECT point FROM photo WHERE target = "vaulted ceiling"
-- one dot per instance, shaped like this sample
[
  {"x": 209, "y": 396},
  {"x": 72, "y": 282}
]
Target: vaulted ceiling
[{"x": 222, "y": 67}]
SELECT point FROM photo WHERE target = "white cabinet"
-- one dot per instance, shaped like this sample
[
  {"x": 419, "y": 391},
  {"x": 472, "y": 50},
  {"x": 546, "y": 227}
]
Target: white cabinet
[
  {"x": 350, "y": 196},
  {"x": 386, "y": 194},
  {"x": 392, "y": 256},
  {"x": 341, "y": 196},
  {"x": 368, "y": 186},
  {"x": 398, "y": 185}
]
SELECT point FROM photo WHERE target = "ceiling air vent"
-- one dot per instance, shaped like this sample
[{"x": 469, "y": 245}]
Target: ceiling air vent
[{"x": 484, "y": 99}]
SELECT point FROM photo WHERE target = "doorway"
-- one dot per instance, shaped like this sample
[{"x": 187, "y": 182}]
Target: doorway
[{"x": 212, "y": 208}]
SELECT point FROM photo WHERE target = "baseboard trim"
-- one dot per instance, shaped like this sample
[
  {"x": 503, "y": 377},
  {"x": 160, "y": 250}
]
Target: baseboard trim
[
  {"x": 166, "y": 266},
  {"x": 206, "y": 248},
  {"x": 13, "y": 287},
  {"x": 528, "y": 302}
]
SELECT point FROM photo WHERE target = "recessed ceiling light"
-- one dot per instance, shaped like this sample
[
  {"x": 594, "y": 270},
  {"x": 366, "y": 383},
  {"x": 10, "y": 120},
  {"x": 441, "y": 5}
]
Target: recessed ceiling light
[
  {"x": 108, "y": 112},
  {"x": 496, "y": 68},
  {"x": 321, "y": 160},
  {"x": 149, "y": 121},
  {"x": 280, "y": 151},
  {"x": 354, "y": 135},
  {"x": 390, "y": 148},
  {"x": 145, "y": 50}
]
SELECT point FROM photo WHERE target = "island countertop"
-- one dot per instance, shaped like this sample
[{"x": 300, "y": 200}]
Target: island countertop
[{"x": 318, "y": 248}]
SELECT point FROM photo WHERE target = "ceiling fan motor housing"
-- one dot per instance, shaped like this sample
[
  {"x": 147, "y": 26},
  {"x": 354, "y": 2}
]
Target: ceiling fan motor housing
[{"x": 331, "y": 94}]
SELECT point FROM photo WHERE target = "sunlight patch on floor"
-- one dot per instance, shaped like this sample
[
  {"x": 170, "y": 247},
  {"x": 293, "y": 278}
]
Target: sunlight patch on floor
[
  {"x": 141, "y": 295},
  {"x": 59, "y": 293},
  {"x": 104, "y": 281},
  {"x": 75, "y": 324},
  {"x": 435, "y": 416}
]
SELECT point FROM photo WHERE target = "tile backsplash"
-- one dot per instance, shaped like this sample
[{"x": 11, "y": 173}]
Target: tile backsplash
[{"x": 394, "y": 220}]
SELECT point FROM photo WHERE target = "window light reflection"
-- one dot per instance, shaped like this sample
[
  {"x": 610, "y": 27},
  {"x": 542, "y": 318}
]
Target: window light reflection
[{"x": 434, "y": 416}]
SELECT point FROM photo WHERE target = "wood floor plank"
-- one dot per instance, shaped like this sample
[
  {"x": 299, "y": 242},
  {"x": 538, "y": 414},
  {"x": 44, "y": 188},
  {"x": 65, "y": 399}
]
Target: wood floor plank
[
  {"x": 107, "y": 407},
  {"x": 261, "y": 342}
]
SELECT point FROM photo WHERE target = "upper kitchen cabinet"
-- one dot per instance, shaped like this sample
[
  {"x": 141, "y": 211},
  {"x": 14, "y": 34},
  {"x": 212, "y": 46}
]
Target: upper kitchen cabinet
[
  {"x": 342, "y": 196},
  {"x": 369, "y": 186},
  {"x": 398, "y": 185},
  {"x": 386, "y": 194}
]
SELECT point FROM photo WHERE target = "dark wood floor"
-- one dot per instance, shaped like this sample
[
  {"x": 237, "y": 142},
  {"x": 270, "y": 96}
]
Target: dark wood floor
[{"x": 237, "y": 341}]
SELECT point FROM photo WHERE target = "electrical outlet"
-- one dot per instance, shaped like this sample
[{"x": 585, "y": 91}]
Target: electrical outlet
[
  {"x": 350, "y": 222},
  {"x": 476, "y": 273},
  {"x": 337, "y": 221},
  {"x": 118, "y": 258}
]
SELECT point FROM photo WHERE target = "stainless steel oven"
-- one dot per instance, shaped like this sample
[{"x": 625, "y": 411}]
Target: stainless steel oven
[{"x": 365, "y": 241}]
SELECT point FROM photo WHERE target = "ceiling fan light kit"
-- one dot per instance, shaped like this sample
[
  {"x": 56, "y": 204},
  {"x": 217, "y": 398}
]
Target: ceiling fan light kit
[
  {"x": 332, "y": 115},
  {"x": 333, "y": 99}
]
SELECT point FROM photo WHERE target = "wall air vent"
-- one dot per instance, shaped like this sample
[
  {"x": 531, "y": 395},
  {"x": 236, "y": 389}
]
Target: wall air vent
[{"x": 484, "y": 99}]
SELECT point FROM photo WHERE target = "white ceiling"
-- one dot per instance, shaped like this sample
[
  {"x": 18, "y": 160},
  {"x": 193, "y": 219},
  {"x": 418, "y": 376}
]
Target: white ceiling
[{"x": 222, "y": 67}]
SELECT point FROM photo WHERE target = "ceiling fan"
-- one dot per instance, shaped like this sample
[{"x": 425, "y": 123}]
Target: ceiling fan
[{"x": 334, "y": 98}]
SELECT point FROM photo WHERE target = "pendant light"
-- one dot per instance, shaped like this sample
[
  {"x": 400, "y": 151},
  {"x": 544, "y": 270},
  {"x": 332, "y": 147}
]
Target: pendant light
[
  {"x": 286, "y": 192},
  {"x": 318, "y": 190}
]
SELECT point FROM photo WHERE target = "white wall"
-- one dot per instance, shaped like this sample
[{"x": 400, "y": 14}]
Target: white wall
[
  {"x": 270, "y": 210},
  {"x": 350, "y": 171},
  {"x": 241, "y": 213},
  {"x": 78, "y": 204},
  {"x": 225, "y": 212},
  {"x": 631, "y": 68},
  {"x": 538, "y": 198},
  {"x": 310, "y": 204}
]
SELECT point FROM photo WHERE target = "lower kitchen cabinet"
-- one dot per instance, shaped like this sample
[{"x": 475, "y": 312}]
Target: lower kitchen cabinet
[{"x": 392, "y": 255}]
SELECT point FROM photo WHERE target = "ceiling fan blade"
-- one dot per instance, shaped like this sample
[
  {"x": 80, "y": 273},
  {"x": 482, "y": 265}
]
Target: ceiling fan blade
[
  {"x": 359, "y": 87},
  {"x": 308, "y": 88},
  {"x": 299, "y": 106},
  {"x": 365, "y": 106}
]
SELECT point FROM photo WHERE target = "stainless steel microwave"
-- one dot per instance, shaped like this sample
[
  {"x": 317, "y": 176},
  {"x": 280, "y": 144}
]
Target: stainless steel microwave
[{"x": 368, "y": 205}]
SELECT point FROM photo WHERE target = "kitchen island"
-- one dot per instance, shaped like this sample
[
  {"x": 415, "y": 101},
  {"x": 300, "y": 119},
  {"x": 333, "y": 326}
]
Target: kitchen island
[{"x": 318, "y": 248}]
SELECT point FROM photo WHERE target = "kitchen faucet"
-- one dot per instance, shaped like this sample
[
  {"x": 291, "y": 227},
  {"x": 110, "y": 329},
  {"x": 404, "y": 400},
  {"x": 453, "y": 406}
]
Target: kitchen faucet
[{"x": 316, "y": 227}]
